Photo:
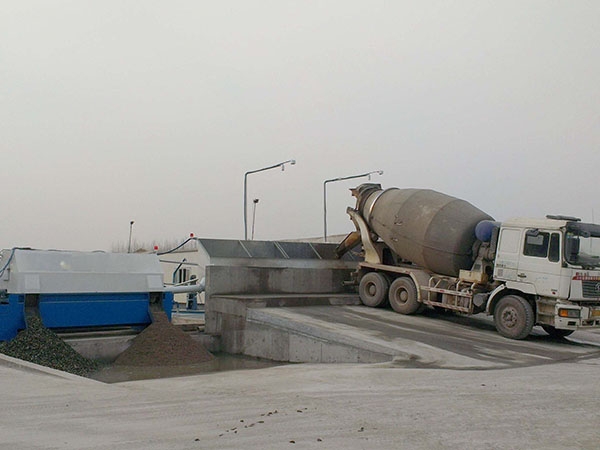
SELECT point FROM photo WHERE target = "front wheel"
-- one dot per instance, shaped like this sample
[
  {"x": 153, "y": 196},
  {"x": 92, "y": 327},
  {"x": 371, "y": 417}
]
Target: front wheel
[
  {"x": 513, "y": 317},
  {"x": 555, "y": 332}
]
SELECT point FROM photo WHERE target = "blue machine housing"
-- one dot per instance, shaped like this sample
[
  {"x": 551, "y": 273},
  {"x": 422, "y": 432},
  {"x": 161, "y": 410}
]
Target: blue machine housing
[
  {"x": 12, "y": 316},
  {"x": 79, "y": 289}
]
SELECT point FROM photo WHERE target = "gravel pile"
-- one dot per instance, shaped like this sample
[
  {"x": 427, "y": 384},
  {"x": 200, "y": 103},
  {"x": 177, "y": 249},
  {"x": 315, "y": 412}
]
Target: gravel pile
[
  {"x": 163, "y": 344},
  {"x": 39, "y": 345}
]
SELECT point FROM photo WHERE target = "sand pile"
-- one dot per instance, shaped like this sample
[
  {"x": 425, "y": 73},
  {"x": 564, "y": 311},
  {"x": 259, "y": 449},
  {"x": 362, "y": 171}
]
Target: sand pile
[
  {"x": 163, "y": 344},
  {"x": 39, "y": 345}
]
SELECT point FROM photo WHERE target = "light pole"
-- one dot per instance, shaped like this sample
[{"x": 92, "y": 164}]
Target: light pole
[
  {"x": 255, "y": 201},
  {"x": 368, "y": 174},
  {"x": 130, "y": 231},
  {"x": 274, "y": 166}
]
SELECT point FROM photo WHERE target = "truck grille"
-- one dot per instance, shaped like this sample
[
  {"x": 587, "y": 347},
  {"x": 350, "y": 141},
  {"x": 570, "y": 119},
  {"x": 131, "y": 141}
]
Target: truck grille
[{"x": 591, "y": 289}]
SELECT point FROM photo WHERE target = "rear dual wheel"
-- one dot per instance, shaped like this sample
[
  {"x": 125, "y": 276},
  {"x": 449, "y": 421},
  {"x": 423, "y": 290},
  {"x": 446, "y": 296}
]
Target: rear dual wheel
[
  {"x": 373, "y": 289},
  {"x": 403, "y": 296}
]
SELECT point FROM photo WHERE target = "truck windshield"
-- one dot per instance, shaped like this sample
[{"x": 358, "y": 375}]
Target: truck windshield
[{"x": 582, "y": 249}]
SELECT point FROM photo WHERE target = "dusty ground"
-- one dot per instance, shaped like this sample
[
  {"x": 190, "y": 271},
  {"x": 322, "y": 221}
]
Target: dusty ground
[
  {"x": 549, "y": 406},
  {"x": 477, "y": 390}
]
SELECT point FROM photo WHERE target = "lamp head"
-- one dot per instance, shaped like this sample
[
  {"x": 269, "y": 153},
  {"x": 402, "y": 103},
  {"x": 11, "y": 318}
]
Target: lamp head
[{"x": 291, "y": 161}]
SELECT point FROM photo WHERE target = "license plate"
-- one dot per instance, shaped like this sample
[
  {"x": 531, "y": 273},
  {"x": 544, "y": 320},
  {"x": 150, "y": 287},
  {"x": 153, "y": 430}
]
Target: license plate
[{"x": 595, "y": 312}]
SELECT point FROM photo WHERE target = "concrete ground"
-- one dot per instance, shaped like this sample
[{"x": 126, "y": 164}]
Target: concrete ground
[{"x": 350, "y": 406}]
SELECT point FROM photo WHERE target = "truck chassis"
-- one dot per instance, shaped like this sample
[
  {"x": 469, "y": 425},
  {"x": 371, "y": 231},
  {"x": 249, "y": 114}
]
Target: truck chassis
[{"x": 410, "y": 289}]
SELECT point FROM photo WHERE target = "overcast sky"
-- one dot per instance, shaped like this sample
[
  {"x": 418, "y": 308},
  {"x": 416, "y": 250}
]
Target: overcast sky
[{"x": 152, "y": 111}]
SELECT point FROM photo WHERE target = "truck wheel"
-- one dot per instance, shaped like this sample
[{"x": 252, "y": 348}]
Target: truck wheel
[
  {"x": 373, "y": 289},
  {"x": 403, "y": 296},
  {"x": 556, "y": 333},
  {"x": 513, "y": 317}
]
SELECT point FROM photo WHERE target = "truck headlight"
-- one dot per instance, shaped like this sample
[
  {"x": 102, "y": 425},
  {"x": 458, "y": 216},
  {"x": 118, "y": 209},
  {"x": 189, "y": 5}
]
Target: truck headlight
[{"x": 570, "y": 313}]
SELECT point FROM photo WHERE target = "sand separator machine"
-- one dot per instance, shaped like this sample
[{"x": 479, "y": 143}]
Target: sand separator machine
[{"x": 80, "y": 290}]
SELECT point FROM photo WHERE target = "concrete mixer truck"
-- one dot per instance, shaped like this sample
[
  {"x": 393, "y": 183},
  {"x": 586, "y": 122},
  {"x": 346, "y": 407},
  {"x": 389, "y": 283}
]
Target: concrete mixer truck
[{"x": 424, "y": 249}]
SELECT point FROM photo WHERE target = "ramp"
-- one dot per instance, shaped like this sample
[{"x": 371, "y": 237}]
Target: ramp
[{"x": 348, "y": 333}]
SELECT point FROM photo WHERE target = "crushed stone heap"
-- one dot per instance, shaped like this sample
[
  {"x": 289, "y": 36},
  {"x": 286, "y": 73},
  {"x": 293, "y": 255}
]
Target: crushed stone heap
[
  {"x": 163, "y": 344},
  {"x": 39, "y": 345}
]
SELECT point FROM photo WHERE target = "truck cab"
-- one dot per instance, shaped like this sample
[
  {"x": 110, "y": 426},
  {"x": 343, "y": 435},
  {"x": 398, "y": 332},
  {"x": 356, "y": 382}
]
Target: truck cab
[{"x": 554, "y": 264}]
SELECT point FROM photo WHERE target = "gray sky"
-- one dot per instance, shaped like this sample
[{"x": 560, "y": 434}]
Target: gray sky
[{"x": 152, "y": 111}]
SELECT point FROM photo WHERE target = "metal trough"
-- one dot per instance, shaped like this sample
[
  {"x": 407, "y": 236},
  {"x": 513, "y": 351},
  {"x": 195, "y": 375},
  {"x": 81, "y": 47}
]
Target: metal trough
[{"x": 273, "y": 254}]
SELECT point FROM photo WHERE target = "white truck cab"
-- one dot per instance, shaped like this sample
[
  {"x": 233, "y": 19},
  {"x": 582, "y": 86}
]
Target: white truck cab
[{"x": 554, "y": 263}]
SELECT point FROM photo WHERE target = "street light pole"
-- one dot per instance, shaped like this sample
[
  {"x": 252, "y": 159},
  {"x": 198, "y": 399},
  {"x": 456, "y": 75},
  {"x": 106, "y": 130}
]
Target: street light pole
[
  {"x": 255, "y": 201},
  {"x": 368, "y": 174},
  {"x": 274, "y": 166},
  {"x": 130, "y": 231}
]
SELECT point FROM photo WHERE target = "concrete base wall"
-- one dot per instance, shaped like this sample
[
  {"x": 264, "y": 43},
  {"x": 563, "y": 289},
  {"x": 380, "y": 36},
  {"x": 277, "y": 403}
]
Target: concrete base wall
[
  {"x": 246, "y": 329},
  {"x": 275, "y": 280},
  {"x": 211, "y": 343},
  {"x": 228, "y": 314},
  {"x": 264, "y": 340},
  {"x": 262, "y": 287},
  {"x": 101, "y": 348},
  {"x": 236, "y": 294}
]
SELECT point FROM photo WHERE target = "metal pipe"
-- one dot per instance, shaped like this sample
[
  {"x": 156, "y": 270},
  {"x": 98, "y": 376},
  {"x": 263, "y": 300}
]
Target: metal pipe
[
  {"x": 130, "y": 231},
  {"x": 166, "y": 261},
  {"x": 350, "y": 177},
  {"x": 255, "y": 201},
  {"x": 177, "y": 268},
  {"x": 183, "y": 289}
]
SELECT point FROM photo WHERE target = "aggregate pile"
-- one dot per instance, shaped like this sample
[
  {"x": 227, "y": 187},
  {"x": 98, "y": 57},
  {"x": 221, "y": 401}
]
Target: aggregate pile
[
  {"x": 163, "y": 344},
  {"x": 39, "y": 345}
]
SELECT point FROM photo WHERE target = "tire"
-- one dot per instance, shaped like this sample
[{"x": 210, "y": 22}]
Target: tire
[
  {"x": 556, "y": 333},
  {"x": 403, "y": 296},
  {"x": 373, "y": 289},
  {"x": 513, "y": 317}
]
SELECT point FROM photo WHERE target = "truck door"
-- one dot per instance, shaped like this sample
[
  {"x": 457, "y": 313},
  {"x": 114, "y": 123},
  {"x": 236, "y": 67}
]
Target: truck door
[
  {"x": 507, "y": 257},
  {"x": 539, "y": 261}
]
